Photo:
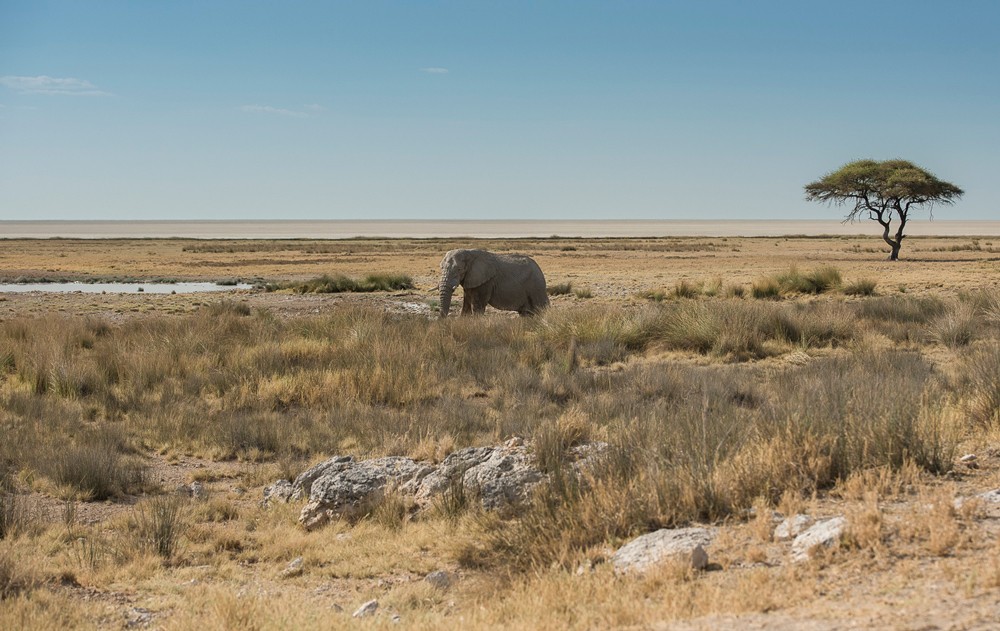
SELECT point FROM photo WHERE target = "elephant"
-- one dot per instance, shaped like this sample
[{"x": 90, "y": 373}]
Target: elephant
[{"x": 511, "y": 282}]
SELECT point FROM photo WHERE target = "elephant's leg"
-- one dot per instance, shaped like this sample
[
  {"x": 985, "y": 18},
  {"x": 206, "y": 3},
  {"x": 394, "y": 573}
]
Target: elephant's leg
[
  {"x": 479, "y": 301},
  {"x": 528, "y": 309},
  {"x": 466, "y": 302}
]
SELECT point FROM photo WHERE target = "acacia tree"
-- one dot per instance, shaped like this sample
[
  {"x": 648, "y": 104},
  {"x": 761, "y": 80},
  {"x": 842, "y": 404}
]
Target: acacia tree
[{"x": 884, "y": 191}]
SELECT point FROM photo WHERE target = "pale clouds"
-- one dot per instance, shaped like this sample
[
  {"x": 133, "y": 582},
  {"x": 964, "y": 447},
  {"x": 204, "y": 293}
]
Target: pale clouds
[
  {"x": 43, "y": 84},
  {"x": 277, "y": 111},
  {"x": 434, "y": 70},
  {"x": 314, "y": 107}
]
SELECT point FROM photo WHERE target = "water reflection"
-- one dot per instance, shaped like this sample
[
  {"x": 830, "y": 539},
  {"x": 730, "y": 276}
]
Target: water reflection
[{"x": 120, "y": 288}]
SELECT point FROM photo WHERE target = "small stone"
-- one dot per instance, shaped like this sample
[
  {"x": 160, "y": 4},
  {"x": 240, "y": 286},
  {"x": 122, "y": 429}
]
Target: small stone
[
  {"x": 396, "y": 619},
  {"x": 823, "y": 533},
  {"x": 197, "y": 490},
  {"x": 294, "y": 568},
  {"x": 968, "y": 458},
  {"x": 367, "y": 609},
  {"x": 439, "y": 579},
  {"x": 138, "y": 617},
  {"x": 685, "y": 544},
  {"x": 791, "y": 527}
]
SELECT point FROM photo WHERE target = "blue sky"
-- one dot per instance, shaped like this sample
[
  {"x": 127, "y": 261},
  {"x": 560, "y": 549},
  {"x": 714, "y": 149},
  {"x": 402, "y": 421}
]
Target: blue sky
[{"x": 485, "y": 110}]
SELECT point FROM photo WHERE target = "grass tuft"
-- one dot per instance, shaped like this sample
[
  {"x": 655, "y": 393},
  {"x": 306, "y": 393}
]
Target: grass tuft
[
  {"x": 560, "y": 289},
  {"x": 339, "y": 283},
  {"x": 861, "y": 287},
  {"x": 157, "y": 524}
]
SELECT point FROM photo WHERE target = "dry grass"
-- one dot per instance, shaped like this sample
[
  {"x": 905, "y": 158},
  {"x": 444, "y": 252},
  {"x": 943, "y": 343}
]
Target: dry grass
[{"x": 714, "y": 409}]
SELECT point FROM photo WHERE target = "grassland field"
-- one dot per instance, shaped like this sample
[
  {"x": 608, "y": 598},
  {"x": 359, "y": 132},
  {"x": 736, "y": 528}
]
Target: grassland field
[{"x": 734, "y": 379}]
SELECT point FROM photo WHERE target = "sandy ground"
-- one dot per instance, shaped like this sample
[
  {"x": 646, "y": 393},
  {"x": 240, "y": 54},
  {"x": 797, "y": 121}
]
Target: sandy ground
[{"x": 613, "y": 269}]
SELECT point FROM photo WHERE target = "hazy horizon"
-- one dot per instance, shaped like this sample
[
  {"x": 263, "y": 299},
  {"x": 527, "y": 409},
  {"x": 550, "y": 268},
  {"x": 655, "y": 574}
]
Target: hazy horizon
[
  {"x": 458, "y": 111},
  {"x": 474, "y": 229}
]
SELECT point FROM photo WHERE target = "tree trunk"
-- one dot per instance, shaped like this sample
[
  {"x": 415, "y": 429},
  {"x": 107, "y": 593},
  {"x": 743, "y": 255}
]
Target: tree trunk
[
  {"x": 894, "y": 255},
  {"x": 894, "y": 244}
]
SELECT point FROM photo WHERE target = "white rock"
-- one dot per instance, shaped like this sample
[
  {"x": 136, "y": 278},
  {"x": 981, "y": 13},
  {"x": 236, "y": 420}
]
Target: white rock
[
  {"x": 989, "y": 499},
  {"x": 367, "y": 609},
  {"x": 967, "y": 458},
  {"x": 642, "y": 553},
  {"x": 294, "y": 568},
  {"x": 344, "y": 486},
  {"x": 791, "y": 527},
  {"x": 498, "y": 476},
  {"x": 823, "y": 533},
  {"x": 280, "y": 491}
]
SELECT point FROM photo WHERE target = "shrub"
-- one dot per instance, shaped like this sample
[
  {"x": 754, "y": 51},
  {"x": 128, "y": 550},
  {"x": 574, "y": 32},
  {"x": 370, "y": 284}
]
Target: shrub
[
  {"x": 560, "y": 289},
  {"x": 766, "y": 288},
  {"x": 583, "y": 293},
  {"x": 656, "y": 295},
  {"x": 982, "y": 388},
  {"x": 735, "y": 291},
  {"x": 96, "y": 471},
  {"x": 339, "y": 284},
  {"x": 685, "y": 289},
  {"x": 14, "y": 578},
  {"x": 956, "y": 327},
  {"x": 156, "y": 525},
  {"x": 816, "y": 281},
  {"x": 553, "y": 439},
  {"x": 861, "y": 287},
  {"x": 390, "y": 509},
  {"x": 386, "y": 282}
]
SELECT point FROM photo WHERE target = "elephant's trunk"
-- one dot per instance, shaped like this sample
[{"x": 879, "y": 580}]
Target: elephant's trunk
[{"x": 446, "y": 291}]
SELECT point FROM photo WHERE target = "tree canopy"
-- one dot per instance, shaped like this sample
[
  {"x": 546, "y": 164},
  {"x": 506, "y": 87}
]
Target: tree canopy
[{"x": 883, "y": 190}]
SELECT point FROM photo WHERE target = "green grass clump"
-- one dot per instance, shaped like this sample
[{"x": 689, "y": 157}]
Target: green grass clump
[
  {"x": 655, "y": 295},
  {"x": 157, "y": 524},
  {"x": 339, "y": 283},
  {"x": 685, "y": 289},
  {"x": 560, "y": 289},
  {"x": 861, "y": 287},
  {"x": 817, "y": 281},
  {"x": 766, "y": 288}
]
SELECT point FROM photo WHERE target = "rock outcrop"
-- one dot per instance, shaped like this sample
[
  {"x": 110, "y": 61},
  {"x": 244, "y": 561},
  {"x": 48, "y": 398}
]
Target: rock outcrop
[
  {"x": 346, "y": 486},
  {"x": 496, "y": 476}
]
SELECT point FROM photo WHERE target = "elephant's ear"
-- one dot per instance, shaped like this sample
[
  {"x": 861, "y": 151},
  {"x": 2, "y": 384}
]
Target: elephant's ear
[{"x": 480, "y": 270}]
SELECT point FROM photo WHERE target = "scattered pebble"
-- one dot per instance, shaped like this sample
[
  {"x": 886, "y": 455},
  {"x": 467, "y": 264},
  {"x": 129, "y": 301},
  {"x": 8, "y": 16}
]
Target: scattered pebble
[
  {"x": 294, "y": 568},
  {"x": 439, "y": 579},
  {"x": 365, "y": 610}
]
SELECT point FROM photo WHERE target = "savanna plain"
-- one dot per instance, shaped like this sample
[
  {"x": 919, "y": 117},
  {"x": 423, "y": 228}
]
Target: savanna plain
[{"x": 730, "y": 383}]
